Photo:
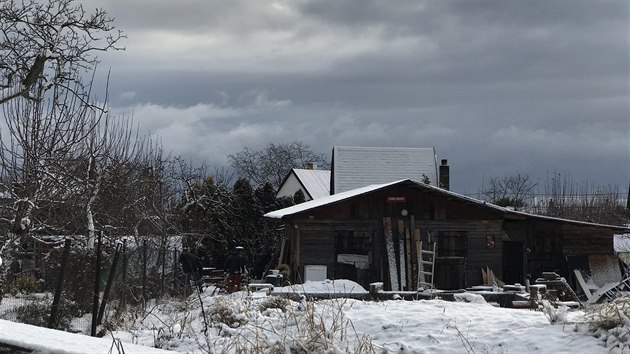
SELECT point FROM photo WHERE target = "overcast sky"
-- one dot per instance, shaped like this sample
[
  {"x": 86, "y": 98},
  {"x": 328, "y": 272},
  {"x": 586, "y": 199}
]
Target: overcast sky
[{"x": 497, "y": 87}]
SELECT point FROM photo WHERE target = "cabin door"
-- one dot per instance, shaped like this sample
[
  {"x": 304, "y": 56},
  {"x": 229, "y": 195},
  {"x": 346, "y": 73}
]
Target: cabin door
[
  {"x": 513, "y": 262},
  {"x": 450, "y": 263}
]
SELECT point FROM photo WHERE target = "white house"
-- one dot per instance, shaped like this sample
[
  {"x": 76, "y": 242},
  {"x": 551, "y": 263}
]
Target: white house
[{"x": 312, "y": 182}]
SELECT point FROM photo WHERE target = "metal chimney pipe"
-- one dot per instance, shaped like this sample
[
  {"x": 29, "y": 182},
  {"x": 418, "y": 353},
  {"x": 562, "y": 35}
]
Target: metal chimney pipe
[{"x": 445, "y": 180}]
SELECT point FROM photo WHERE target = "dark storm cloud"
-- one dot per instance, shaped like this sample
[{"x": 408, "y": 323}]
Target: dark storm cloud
[{"x": 496, "y": 86}]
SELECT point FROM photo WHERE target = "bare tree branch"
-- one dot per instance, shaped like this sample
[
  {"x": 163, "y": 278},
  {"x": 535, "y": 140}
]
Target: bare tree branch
[
  {"x": 43, "y": 45},
  {"x": 274, "y": 162}
]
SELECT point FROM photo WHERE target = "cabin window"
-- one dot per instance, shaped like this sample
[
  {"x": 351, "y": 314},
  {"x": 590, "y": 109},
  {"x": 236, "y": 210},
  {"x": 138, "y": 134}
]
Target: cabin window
[
  {"x": 452, "y": 244},
  {"x": 546, "y": 244},
  {"x": 353, "y": 242}
]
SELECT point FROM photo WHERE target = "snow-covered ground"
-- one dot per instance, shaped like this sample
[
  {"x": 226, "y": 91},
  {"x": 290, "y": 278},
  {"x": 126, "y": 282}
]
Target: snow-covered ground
[
  {"x": 254, "y": 322},
  {"x": 392, "y": 326}
]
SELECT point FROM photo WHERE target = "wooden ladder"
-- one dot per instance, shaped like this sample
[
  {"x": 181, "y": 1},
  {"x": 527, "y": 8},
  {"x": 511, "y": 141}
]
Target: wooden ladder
[
  {"x": 426, "y": 265},
  {"x": 618, "y": 290}
]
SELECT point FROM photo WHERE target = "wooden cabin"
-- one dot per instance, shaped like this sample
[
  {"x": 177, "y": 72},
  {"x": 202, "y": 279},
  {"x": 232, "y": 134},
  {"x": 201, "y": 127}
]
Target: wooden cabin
[{"x": 346, "y": 234}]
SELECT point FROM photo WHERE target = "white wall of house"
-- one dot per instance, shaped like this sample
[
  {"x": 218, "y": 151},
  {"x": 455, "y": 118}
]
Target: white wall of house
[{"x": 291, "y": 186}]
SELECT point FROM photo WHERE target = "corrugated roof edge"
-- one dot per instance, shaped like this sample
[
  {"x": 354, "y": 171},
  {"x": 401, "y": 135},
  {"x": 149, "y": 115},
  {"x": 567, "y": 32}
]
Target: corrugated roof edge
[{"x": 335, "y": 198}]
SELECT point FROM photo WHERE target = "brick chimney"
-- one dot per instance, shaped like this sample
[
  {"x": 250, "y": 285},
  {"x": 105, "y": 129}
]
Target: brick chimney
[
  {"x": 445, "y": 180},
  {"x": 311, "y": 166}
]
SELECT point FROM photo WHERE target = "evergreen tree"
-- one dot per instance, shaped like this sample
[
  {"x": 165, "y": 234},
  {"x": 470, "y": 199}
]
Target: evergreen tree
[{"x": 299, "y": 197}]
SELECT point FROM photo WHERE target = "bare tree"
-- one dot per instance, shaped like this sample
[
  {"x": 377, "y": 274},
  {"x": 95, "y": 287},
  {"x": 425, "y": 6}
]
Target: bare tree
[
  {"x": 565, "y": 198},
  {"x": 40, "y": 144},
  {"x": 39, "y": 137},
  {"x": 112, "y": 144},
  {"x": 50, "y": 43},
  {"x": 274, "y": 162},
  {"x": 509, "y": 190}
]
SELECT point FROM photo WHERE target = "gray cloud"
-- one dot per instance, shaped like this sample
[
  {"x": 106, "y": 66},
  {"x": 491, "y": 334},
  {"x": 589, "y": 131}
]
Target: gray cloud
[{"x": 497, "y": 87}]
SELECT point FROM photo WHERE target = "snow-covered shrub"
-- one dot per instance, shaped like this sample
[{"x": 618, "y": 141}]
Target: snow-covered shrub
[
  {"x": 274, "y": 302},
  {"x": 611, "y": 322},
  {"x": 25, "y": 283},
  {"x": 34, "y": 313},
  {"x": 311, "y": 327},
  {"x": 554, "y": 315},
  {"x": 322, "y": 327},
  {"x": 227, "y": 311},
  {"x": 470, "y": 297},
  {"x": 7, "y": 250}
]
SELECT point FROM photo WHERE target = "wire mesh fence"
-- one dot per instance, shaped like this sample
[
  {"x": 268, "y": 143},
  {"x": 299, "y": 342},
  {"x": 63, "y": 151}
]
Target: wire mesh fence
[{"x": 121, "y": 271}]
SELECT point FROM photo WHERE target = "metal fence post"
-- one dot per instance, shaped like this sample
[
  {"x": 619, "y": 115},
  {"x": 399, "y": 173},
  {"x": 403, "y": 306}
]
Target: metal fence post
[
  {"x": 54, "y": 311},
  {"x": 144, "y": 270},
  {"x": 108, "y": 286},
  {"x": 123, "y": 301},
  {"x": 175, "y": 269},
  {"x": 97, "y": 280}
]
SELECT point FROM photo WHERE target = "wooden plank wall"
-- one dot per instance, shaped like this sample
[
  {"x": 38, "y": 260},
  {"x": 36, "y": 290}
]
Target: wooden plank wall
[
  {"x": 583, "y": 240},
  {"x": 317, "y": 241},
  {"x": 478, "y": 255},
  {"x": 543, "y": 236},
  {"x": 317, "y": 247}
]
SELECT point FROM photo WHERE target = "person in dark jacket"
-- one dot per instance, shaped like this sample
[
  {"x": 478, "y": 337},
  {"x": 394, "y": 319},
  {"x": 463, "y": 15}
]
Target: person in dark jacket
[
  {"x": 234, "y": 266},
  {"x": 192, "y": 268}
]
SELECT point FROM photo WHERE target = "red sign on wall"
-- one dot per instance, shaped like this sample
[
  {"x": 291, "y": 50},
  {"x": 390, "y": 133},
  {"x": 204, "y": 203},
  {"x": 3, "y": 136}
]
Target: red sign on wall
[{"x": 401, "y": 199}]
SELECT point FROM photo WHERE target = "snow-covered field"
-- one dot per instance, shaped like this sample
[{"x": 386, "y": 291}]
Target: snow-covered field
[{"x": 243, "y": 322}]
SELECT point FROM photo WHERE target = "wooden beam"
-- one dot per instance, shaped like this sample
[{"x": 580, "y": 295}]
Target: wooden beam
[
  {"x": 414, "y": 256},
  {"x": 334, "y": 224},
  {"x": 401, "y": 251},
  {"x": 408, "y": 258},
  {"x": 297, "y": 248},
  {"x": 282, "y": 250},
  {"x": 391, "y": 254}
]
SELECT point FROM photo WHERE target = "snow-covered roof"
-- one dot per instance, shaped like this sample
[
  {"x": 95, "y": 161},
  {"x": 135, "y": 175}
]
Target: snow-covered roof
[
  {"x": 355, "y": 167},
  {"x": 299, "y": 208},
  {"x": 316, "y": 182},
  {"x": 311, "y": 204},
  {"x": 315, "y": 203}
]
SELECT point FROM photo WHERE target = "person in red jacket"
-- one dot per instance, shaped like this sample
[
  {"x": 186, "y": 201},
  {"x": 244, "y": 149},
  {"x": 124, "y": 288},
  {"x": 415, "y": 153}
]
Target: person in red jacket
[{"x": 234, "y": 266}]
